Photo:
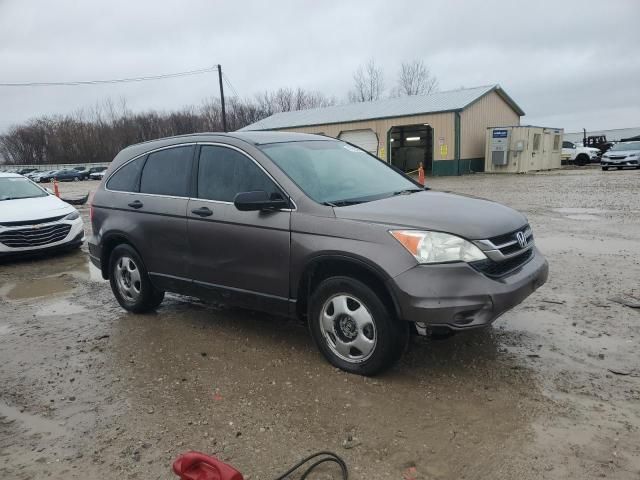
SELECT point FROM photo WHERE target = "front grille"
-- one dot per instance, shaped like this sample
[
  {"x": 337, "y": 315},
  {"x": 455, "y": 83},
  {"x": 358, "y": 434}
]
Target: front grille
[
  {"x": 35, "y": 237},
  {"x": 508, "y": 243},
  {"x": 33, "y": 222},
  {"x": 618, "y": 157},
  {"x": 494, "y": 269}
]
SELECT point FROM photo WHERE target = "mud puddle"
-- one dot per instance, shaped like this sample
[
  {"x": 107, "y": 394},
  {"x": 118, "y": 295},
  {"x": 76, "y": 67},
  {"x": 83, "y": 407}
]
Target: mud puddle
[{"x": 39, "y": 287}]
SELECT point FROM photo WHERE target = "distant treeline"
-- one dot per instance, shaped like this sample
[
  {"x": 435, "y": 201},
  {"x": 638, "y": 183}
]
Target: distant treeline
[{"x": 97, "y": 134}]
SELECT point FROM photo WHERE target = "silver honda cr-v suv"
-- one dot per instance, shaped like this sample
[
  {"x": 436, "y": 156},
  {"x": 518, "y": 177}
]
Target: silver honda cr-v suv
[{"x": 308, "y": 226}]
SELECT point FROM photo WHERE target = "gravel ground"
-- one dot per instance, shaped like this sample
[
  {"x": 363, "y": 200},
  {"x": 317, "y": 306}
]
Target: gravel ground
[{"x": 551, "y": 391}]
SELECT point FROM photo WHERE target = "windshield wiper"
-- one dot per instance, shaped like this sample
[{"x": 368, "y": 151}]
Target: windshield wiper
[
  {"x": 343, "y": 203},
  {"x": 407, "y": 191}
]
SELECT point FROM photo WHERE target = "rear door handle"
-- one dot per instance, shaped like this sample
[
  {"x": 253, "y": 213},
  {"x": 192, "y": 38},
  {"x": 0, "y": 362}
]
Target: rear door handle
[
  {"x": 136, "y": 204},
  {"x": 202, "y": 212}
]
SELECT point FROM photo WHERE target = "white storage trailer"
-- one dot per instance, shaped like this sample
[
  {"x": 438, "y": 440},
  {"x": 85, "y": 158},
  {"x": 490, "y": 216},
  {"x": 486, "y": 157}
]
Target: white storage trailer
[{"x": 520, "y": 149}]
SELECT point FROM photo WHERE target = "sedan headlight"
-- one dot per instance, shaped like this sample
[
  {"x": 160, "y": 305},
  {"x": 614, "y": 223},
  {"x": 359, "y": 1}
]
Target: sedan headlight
[
  {"x": 72, "y": 216},
  {"x": 437, "y": 247},
  {"x": 633, "y": 155}
]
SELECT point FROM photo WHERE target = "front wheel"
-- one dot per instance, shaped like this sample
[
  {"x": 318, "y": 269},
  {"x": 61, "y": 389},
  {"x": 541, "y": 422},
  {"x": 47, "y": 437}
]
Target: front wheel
[
  {"x": 605, "y": 169},
  {"x": 353, "y": 328},
  {"x": 130, "y": 282}
]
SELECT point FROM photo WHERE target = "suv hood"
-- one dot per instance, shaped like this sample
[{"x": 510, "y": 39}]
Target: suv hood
[
  {"x": 32, "y": 208},
  {"x": 468, "y": 217}
]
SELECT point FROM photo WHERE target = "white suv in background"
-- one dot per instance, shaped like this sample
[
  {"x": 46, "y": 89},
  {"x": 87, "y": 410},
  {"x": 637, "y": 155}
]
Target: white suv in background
[{"x": 576, "y": 153}]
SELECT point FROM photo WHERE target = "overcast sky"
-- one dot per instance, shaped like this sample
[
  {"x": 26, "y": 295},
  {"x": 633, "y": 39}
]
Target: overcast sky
[{"x": 568, "y": 64}]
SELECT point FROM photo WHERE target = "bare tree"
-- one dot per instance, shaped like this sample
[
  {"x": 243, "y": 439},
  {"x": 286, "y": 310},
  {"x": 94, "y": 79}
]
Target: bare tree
[
  {"x": 415, "y": 78},
  {"x": 368, "y": 83},
  {"x": 96, "y": 134}
]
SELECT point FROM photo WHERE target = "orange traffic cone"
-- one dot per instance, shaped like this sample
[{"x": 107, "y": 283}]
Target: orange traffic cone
[
  {"x": 56, "y": 191},
  {"x": 421, "y": 174}
]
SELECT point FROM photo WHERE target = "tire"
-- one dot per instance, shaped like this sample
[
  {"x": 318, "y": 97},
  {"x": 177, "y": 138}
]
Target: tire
[
  {"x": 130, "y": 282},
  {"x": 619, "y": 168},
  {"x": 605, "y": 168},
  {"x": 353, "y": 328},
  {"x": 75, "y": 179},
  {"x": 582, "y": 159}
]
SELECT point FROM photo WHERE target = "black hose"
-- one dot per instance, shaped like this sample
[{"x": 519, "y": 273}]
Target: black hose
[{"x": 327, "y": 457}]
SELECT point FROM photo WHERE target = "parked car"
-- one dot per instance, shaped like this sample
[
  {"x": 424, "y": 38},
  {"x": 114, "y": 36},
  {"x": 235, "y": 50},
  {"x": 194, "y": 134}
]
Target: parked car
[
  {"x": 304, "y": 225},
  {"x": 44, "y": 177},
  {"x": 24, "y": 171},
  {"x": 68, "y": 175},
  {"x": 32, "y": 174},
  {"x": 576, "y": 153},
  {"x": 623, "y": 154},
  {"x": 33, "y": 220},
  {"x": 99, "y": 175},
  {"x": 93, "y": 170}
]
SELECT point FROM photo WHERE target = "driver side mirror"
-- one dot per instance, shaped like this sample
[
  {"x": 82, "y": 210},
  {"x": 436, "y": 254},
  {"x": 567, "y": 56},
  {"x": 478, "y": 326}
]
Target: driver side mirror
[{"x": 259, "y": 200}]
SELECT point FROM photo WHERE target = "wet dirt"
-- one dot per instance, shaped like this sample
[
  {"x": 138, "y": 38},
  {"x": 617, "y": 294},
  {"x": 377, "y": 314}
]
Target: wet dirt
[{"x": 89, "y": 391}]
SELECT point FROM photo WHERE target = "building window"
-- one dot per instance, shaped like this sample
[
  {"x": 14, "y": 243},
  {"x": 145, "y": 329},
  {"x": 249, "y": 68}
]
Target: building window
[
  {"x": 536, "y": 141},
  {"x": 556, "y": 142}
]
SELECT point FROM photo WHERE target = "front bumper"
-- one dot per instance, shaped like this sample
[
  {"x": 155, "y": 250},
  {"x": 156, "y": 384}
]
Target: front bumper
[
  {"x": 607, "y": 162},
  {"x": 459, "y": 297},
  {"x": 74, "y": 237}
]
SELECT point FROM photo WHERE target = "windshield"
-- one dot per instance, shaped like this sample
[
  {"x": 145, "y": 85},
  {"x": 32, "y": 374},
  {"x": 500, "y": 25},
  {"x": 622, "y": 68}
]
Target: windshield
[
  {"x": 13, "y": 188},
  {"x": 333, "y": 172},
  {"x": 626, "y": 146}
]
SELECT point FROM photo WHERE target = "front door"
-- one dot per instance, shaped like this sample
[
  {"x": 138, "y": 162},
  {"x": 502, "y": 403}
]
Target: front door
[{"x": 241, "y": 257}]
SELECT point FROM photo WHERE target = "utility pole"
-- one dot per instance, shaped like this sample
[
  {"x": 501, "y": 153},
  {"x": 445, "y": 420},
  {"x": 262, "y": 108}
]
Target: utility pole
[{"x": 224, "y": 114}]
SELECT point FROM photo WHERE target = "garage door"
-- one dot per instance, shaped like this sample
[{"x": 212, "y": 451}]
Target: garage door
[{"x": 365, "y": 139}]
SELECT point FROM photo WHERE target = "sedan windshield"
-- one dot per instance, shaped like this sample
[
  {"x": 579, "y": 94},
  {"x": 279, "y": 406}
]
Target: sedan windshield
[
  {"x": 13, "y": 188},
  {"x": 336, "y": 173},
  {"x": 626, "y": 146}
]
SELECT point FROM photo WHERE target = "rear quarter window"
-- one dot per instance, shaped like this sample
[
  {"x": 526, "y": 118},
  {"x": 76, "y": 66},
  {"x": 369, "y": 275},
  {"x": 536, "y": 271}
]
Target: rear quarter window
[{"x": 126, "y": 178}]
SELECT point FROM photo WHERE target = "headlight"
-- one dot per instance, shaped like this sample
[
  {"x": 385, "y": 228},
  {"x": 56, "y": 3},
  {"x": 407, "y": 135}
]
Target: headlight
[
  {"x": 633, "y": 155},
  {"x": 72, "y": 216},
  {"x": 437, "y": 247}
]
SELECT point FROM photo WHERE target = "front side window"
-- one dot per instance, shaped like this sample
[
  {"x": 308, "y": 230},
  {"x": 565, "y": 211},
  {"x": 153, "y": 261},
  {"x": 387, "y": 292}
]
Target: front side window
[
  {"x": 333, "y": 172},
  {"x": 167, "y": 172},
  {"x": 566, "y": 144},
  {"x": 15, "y": 188},
  {"x": 126, "y": 179},
  {"x": 224, "y": 172}
]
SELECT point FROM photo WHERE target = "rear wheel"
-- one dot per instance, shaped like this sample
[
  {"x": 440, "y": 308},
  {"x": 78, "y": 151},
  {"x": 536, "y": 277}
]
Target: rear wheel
[
  {"x": 130, "y": 282},
  {"x": 353, "y": 328}
]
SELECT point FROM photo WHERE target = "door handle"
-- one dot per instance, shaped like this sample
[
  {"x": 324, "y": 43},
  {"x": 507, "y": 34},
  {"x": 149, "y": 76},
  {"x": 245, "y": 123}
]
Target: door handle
[
  {"x": 202, "y": 212},
  {"x": 136, "y": 204}
]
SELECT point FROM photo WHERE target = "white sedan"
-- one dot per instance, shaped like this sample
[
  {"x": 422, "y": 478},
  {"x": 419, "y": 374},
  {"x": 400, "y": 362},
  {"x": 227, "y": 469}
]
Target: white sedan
[{"x": 33, "y": 220}]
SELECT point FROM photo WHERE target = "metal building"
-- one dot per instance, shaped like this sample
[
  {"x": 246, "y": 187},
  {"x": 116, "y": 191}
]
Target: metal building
[{"x": 445, "y": 130}]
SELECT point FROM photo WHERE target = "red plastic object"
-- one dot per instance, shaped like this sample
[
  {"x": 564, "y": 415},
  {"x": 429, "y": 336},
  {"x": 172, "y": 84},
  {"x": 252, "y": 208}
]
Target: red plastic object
[{"x": 198, "y": 466}]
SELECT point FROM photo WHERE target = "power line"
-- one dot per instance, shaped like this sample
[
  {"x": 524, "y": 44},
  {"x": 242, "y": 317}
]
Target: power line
[
  {"x": 116, "y": 80},
  {"x": 226, "y": 79}
]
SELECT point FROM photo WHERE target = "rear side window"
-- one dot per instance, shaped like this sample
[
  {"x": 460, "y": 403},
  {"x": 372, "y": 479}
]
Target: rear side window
[
  {"x": 167, "y": 172},
  {"x": 126, "y": 179},
  {"x": 223, "y": 173}
]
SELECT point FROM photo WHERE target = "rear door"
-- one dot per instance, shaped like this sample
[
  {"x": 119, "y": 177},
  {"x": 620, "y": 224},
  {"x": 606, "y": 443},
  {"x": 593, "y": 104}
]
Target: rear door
[
  {"x": 165, "y": 184},
  {"x": 237, "y": 256}
]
